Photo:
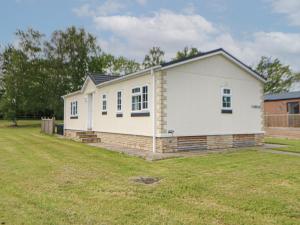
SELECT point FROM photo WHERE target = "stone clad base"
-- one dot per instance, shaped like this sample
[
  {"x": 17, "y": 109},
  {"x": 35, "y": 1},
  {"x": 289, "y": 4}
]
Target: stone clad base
[{"x": 174, "y": 144}]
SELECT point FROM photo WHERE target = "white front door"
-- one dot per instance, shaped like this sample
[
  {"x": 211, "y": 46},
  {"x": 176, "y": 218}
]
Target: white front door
[{"x": 90, "y": 112}]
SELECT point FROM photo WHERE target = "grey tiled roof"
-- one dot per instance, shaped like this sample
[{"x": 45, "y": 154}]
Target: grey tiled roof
[
  {"x": 101, "y": 78},
  {"x": 282, "y": 96}
]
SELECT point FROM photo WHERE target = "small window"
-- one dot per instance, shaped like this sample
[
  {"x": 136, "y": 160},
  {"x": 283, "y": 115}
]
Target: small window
[
  {"x": 226, "y": 98},
  {"x": 104, "y": 103},
  {"x": 139, "y": 99},
  {"x": 74, "y": 108},
  {"x": 293, "y": 107},
  {"x": 119, "y": 101}
]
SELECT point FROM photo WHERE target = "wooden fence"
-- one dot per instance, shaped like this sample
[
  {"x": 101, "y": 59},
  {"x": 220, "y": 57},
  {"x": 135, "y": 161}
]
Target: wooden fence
[
  {"x": 48, "y": 125},
  {"x": 282, "y": 120}
]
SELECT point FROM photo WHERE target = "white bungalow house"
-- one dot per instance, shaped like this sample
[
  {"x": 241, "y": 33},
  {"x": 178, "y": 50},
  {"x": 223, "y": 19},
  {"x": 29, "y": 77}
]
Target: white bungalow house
[{"x": 211, "y": 100}]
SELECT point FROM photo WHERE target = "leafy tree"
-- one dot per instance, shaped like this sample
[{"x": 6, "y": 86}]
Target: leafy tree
[
  {"x": 71, "y": 51},
  {"x": 13, "y": 66},
  {"x": 123, "y": 66},
  {"x": 154, "y": 57},
  {"x": 186, "y": 52},
  {"x": 35, "y": 74},
  {"x": 279, "y": 76},
  {"x": 37, "y": 77}
]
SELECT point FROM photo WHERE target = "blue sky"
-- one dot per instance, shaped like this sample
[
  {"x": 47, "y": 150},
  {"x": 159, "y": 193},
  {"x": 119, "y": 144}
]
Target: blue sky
[{"x": 247, "y": 29}]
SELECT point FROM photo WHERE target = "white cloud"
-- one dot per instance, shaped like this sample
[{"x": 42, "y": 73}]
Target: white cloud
[
  {"x": 141, "y": 2},
  {"x": 132, "y": 36},
  {"x": 84, "y": 10},
  {"x": 290, "y": 8},
  {"x": 91, "y": 9},
  {"x": 164, "y": 28},
  {"x": 110, "y": 7}
]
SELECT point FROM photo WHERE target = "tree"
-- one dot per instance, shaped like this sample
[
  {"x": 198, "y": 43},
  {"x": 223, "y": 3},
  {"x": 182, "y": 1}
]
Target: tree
[
  {"x": 121, "y": 65},
  {"x": 13, "y": 66},
  {"x": 279, "y": 76},
  {"x": 35, "y": 74},
  {"x": 154, "y": 57},
  {"x": 186, "y": 52},
  {"x": 71, "y": 51}
]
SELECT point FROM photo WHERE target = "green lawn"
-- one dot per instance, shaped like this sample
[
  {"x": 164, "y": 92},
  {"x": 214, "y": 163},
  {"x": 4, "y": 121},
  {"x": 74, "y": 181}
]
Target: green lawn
[
  {"x": 48, "y": 180},
  {"x": 24, "y": 123},
  {"x": 291, "y": 145}
]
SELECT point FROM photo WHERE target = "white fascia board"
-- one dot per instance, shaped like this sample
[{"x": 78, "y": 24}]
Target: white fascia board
[
  {"x": 82, "y": 88},
  {"x": 71, "y": 94}
]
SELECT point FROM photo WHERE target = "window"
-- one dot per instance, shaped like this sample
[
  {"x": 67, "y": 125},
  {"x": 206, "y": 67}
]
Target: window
[
  {"x": 140, "y": 98},
  {"x": 226, "y": 101},
  {"x": 226, "y": 98},
  {"x": 104, "y": 103},
  {"x": 74, "y": 108},
  {"x": 119, "y": 101},
  {"x": 293, "y": 107}
]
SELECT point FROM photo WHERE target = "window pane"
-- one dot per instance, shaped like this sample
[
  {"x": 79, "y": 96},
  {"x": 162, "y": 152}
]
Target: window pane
[
  {"x": 145, "y": 97},
  {"x": 226, "y": 102},
  {"x": 226, "y": 91},
  {"x": 293, "y": 107},
  {"x": 119, "y": 101},
  {"x": 136, "y": 90}
]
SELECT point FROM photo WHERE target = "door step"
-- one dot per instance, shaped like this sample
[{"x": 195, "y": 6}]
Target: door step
[{"x": 87, "y": 137}]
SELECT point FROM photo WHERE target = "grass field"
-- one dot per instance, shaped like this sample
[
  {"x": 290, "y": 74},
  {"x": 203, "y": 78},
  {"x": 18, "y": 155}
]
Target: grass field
[
  {"x": 290, "y": 145},
  {"x": 48, "y": 180}
]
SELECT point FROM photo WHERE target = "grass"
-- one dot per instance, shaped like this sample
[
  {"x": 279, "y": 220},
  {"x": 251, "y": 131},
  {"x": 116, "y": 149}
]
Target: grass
[
  {"x": 24, "y": 123},
  {"x": 48, "y": 180},
  {"x": 290, "y": 145}
]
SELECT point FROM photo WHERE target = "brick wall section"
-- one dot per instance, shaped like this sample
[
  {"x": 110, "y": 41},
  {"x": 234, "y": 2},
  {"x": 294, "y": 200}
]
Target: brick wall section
[
  {"x": 130, "y": 141},
  {"x": 219, "y": 141},
  {"x": 173, "y": 144}
]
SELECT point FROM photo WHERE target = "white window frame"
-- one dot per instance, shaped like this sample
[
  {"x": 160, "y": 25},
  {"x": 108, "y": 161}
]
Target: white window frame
[
  {"x": 102, "y": 101},
  {"x": 141, "y": 94},
  {"x": 226, "y": 95},
  {"x": 74, "y": 108},
  {"x": 121, "y": 101}
]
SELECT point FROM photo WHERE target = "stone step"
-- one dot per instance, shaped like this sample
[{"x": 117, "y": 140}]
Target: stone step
[
  {"x": 84, "y": 133},
  {"x": 87, "y": 136},
  {"x": 90, "y": 140}
]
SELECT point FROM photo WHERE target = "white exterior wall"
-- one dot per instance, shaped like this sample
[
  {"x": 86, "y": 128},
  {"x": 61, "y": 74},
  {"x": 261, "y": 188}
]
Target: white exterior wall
[
  {"x": 110, "y": 123},
  {"x": 194, "y": 99},
  {"x": 82, "y": 108}
]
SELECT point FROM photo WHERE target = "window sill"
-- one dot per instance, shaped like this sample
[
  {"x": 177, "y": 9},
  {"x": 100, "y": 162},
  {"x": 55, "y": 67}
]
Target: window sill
[
  {"x": 226, "y": 111},
  {"x": 74, "y": 117},
  {"x": 140, "y": 114},
  {"x": 119, "y": 115},
  {"x": 104, "y": 113}
]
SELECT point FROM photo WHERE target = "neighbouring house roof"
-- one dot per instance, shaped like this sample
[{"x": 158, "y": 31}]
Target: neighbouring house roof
[
  {"x": 101, "y": 78},
  {"x": 282, "y": 96}
]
